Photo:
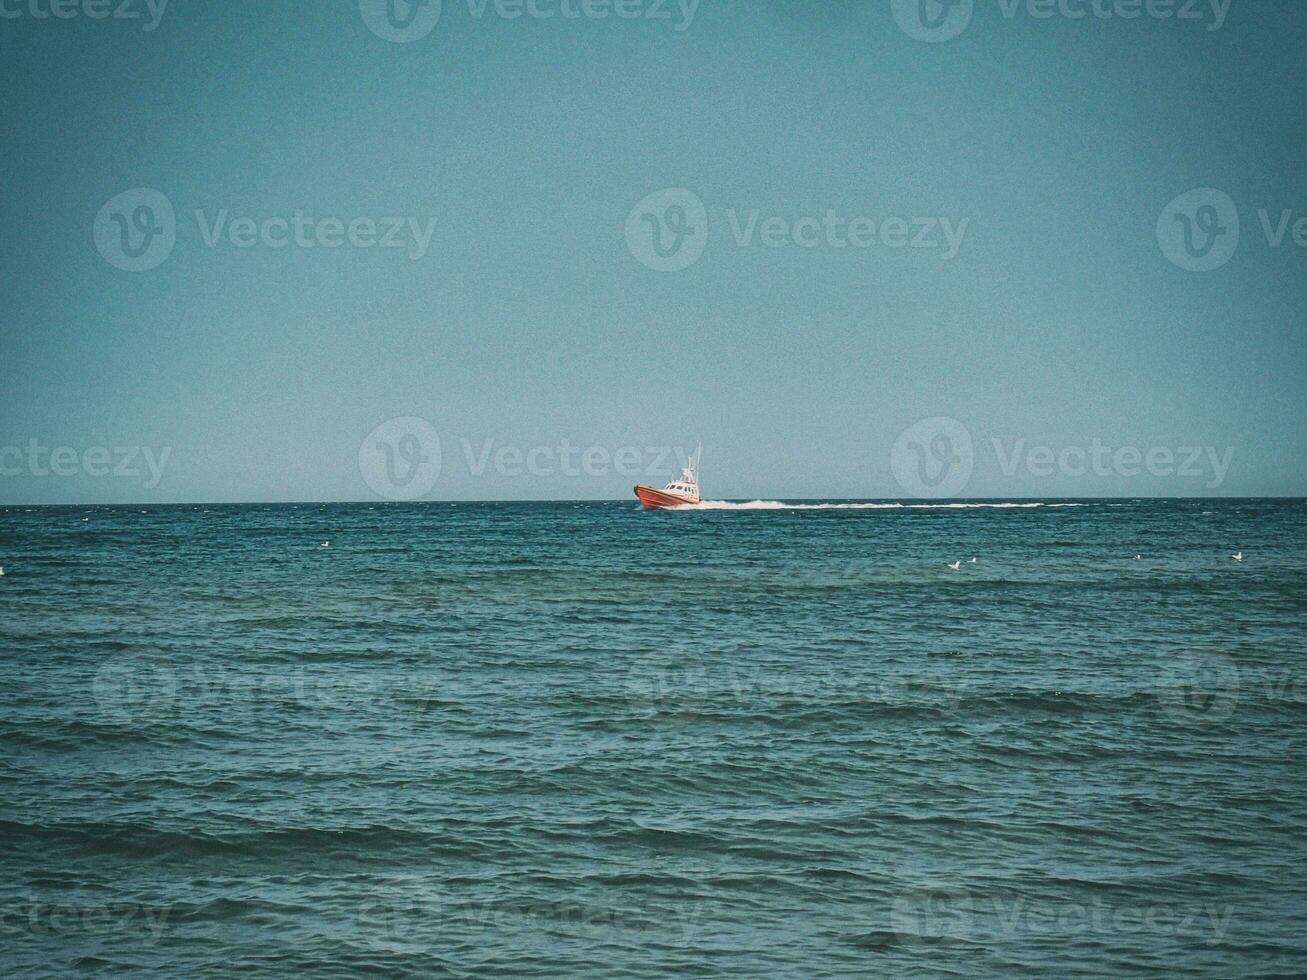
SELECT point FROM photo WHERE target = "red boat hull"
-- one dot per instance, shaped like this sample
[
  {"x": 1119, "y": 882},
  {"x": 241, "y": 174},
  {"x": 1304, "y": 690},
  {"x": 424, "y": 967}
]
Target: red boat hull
[{"x": 654, "y": 499}]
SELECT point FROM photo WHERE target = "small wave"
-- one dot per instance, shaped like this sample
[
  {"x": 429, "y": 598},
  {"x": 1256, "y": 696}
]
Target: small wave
[{"x": 877, "y": 939}]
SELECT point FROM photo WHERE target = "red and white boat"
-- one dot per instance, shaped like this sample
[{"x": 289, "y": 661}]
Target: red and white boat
[{"x": 682, "y": 492}]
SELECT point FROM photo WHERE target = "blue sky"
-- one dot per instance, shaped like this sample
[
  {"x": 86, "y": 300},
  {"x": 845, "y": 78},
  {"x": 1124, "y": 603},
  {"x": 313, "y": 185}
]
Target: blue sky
[{"x": 465, "y": 195}]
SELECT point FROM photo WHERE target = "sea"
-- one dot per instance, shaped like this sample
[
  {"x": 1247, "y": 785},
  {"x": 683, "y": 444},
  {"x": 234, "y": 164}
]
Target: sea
[{"x": 577, "y": 739}]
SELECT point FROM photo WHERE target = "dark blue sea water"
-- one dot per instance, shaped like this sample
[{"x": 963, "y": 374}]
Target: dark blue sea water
[{"x": 582, "y": 740}]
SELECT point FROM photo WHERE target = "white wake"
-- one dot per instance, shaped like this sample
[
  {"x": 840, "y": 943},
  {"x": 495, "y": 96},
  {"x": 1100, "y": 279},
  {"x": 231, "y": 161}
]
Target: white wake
[{"x": 780, "y": 505}]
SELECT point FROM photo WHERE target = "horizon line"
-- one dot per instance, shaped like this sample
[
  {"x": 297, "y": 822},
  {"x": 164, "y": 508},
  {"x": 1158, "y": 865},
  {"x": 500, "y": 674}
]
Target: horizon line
[{"x": 612, "y": 500}]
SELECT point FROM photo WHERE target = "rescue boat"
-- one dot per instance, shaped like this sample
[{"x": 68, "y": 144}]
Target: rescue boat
[{"x": 681, "y": 492}]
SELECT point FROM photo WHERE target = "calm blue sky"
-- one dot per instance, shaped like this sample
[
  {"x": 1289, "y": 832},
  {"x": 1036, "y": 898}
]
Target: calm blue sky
[{"x": 528, "y": 318}]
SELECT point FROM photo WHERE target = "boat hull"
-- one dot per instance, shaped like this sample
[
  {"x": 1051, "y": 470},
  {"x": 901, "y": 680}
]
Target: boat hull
[{"x": 651, "y": 498}]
